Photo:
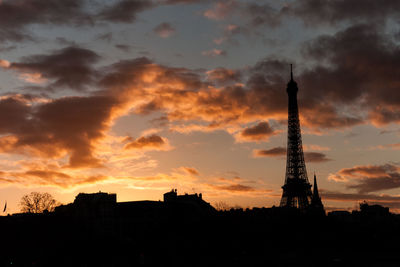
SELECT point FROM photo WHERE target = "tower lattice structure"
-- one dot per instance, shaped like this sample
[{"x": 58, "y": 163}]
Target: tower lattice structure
[{"x": 297, "y": 189}]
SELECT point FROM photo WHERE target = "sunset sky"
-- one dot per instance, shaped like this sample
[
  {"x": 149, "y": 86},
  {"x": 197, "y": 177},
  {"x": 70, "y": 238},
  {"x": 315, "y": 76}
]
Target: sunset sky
[{"x": 137, "y": 97}]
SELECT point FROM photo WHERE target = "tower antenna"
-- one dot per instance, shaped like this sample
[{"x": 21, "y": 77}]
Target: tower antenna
[{"x": 291, "y": 72}]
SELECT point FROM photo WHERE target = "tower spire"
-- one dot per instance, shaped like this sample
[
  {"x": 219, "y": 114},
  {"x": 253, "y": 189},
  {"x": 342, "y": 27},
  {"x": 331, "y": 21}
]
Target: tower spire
[
  {"x": 316, "y": 203},
  {"x": 315, "y": 189},
  {"x": 291, "y": 72}
]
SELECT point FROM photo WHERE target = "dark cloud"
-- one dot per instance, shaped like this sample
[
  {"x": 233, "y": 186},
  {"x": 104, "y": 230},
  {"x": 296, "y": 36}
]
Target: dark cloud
[
  {"x": 261, "y": 131},
  {"x": 14, "y": 35},
  {"x": 69, "y": 67},
  {"x": 164, "y": 30},
  {"x": 125, "y": 48},
  {"x": 16, "y": 15},
  {"x": 174, "y": 2},
  {"x": 273, "y": 152},
  {"x": 319, "y": 11},
  {"x": 262, "y": 14},
  {"x": 108, "y": 37},
  {"x": 311, "y": 12},
  {"x": 366, "y": 74},
  {"x": 7, "y": 48},
  {"x": 223, "y": 76},
  {"x": 152, "y": 141},
  {"x": 369, "y": 178},
  {"x": 125, "y": 11},
  {"x": 65, "y": 42},
  {"x": 66, "y": 126},
  {"x": 317, "y": 109},
  {"x": 315, "y": 157},
  {"x": 234, "y": 188}
]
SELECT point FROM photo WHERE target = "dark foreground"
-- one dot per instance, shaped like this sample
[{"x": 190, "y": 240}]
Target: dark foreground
[{"x": 267, "y": 237}]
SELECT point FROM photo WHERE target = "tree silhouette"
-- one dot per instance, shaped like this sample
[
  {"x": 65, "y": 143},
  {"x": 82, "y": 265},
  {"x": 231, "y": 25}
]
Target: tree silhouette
[
  {"x": 221, "y": 206},
  {"x": 37, "y": 202}
]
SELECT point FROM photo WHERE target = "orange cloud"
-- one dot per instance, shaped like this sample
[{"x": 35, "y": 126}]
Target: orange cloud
[
  {"x": 314, "y": 157},
  {"x": 260, "y": 132},
  {"x": 154, "y": 142},
  {"x": 190, "y": 170},
  {"x": 4, "y": 63},
  {"x": 369, "y": 178},
  {"x": 273, "y": 152},
  {"x": 220, "y": 10},
  {"x": 50, "y": 178}
]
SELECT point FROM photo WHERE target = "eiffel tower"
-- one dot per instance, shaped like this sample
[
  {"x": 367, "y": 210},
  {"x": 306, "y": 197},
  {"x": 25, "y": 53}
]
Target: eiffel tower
[{"x": 297, "y": 189}]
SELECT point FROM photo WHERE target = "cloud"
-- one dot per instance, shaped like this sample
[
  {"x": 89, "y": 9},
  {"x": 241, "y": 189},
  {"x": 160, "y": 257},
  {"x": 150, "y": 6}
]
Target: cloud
[
  {"x": 234, "y": 188},
  {"x": 71, "y": 67},
  {"x": 333, "y": 12},
  {"x": 183, "y": 95},
  {"x": 34, "y": 175},
  {"x": 55, "y": 178},
  {"x": 395, "y": 146},
  {"x": 174, "y": 2},
  {"x": 369, "y": 178},
  {"x": 153, "y": 141},
  {"x": 124, "y": 11},
  {"x": 164, "y": 30},
  {"x": 124, "y": 48},
  {"x": 262, "y": 14},
  {"x": 221, "y": 10},
  {"x": 214, "y": 53},
  {"x": 69, "y": 125},
  {"x": 217, "y": 100},
  {"x": 314, "y": 157},
  {"x": 311, "y": 12},
  {"x": 108, "y": 37},
  {"x": 273, "y": 152},
  {"x": 190, "y": 170},
  {"x": 223, "y": 76},
  {"x": 229, "y": 32},
  {"x": 15, "y": 16},
  {"x": 307, "y": 147},
  {"x": 260, "y": 132},
  {"x": 4, "y": 64},
  {"x": 367, "y": 76}
]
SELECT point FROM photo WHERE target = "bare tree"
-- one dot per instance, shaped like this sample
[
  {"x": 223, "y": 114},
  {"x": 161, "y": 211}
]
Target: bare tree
[
  {"x": 221, "y": 206},
  {"x": 37, "y": 202}
]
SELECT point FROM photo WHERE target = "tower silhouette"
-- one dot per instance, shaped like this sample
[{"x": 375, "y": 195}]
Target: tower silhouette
[
  {"x": 316, "y": 202},
  {"x": 297, "y": 189}
]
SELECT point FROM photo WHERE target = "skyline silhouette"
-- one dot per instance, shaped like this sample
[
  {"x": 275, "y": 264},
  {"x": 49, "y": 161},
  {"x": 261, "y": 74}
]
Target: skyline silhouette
[{"x": 138, "y": 97}]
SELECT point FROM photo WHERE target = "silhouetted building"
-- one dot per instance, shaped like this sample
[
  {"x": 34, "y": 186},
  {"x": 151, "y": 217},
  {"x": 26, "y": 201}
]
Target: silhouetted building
[
  {"x": 373, "y": 210},
  {"x": 91, "y": 205},
  {"x": 104, "y": 205},
  {"x": 173, "y": 196},
  {"x": 194, "y": 200},
  {"x": 297, "y": 189}
]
